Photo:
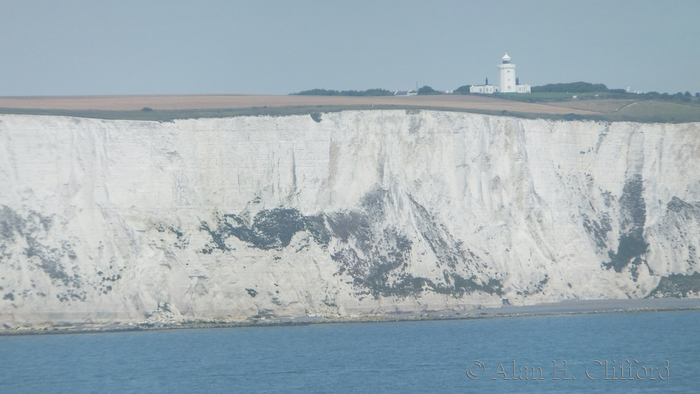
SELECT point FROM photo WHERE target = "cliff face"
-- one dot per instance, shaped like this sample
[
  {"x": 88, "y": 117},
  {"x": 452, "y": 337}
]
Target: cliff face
[{"x": 345, "y": 213}]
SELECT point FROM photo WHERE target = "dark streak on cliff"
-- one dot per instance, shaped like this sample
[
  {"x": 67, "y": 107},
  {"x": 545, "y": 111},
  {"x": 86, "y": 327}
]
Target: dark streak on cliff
[
  {"x": 374, "y": 254},
  {"x": 632, "y": 246},
  {"x": 52, "y": 261}
]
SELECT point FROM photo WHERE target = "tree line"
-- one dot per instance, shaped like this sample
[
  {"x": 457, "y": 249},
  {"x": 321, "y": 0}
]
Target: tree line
[
  {"x": 574, "y": 87},
  {"x": 571, "y": 87},
  {"x": 327, "y": 92}
]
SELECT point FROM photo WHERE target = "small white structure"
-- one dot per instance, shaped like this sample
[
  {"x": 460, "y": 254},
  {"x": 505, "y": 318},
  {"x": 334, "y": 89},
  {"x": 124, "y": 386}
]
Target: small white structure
[
  {"x": 405, "y": 93},
  {"x": 483, "y": 89},
  {"x": 507, "y": 81}
]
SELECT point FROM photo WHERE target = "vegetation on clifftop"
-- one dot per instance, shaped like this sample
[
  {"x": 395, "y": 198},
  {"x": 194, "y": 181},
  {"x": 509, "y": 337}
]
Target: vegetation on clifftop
[
  {"x": 427, "y": 90},
  {"x": 327, "y": 92},
  {"x": 605, "y": 104},
  {"x": 573, "y": 87}
]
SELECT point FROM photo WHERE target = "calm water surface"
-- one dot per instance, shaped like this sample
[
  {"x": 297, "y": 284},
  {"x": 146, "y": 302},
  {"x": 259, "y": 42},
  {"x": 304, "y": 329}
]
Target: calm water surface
[{"x": 430, "y": 356}]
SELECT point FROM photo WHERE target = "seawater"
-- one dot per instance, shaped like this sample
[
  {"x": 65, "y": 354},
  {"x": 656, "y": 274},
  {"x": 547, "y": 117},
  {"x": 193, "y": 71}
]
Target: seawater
[{"x": 481, "y": 355}]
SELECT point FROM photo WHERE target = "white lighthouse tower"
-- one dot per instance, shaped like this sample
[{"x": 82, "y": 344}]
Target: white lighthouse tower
[
  {"x": 507, "y": 82},
  {"x": 506, "y": 74}
]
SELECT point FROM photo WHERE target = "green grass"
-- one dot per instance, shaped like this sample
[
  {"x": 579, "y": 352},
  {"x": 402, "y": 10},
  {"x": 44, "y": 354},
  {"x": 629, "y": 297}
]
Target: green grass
[
  {"x": 604, "y": 106},
  {"x": 649, "y": 111},
  {"x": 616, "y": 107},
  {"x": 661, "y": 111},
  {"x": 554, "y": 96}
]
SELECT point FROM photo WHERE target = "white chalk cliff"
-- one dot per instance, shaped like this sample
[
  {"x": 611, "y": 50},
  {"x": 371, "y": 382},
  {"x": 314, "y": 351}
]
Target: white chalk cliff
[{"x": 339, "y": 214}]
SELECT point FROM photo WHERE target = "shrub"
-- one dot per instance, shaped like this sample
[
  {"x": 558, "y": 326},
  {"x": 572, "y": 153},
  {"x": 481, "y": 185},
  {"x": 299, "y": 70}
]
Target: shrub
[
  {"x": 327, "y": 92},
  {"x": 463, "y": 89},
  {"x": 573, "y": 87},
  {"x": 425, "y": 90}
]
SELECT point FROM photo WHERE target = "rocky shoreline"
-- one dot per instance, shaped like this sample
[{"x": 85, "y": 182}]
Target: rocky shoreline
[{"x": 567, "y": 307}]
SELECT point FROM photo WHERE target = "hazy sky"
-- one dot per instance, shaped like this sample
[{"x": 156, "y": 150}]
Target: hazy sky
[{"x": 277, "y": 47}]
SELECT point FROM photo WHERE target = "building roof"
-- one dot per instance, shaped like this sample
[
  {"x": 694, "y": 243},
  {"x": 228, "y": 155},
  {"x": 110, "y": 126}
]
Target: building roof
[{"x": 505, "y": 57}]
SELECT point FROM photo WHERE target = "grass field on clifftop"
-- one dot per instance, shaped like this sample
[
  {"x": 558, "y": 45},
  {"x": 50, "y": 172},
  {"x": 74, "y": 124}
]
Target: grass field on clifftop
[{"x": 168, "y": 108}]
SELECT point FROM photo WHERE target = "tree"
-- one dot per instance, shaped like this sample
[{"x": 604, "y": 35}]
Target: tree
[
  {"x": 428, "y": 90},
  {"x": 318, "y": 92},
  {"x": 463, "y": 89},
  {"x": 680, "y": 97}
]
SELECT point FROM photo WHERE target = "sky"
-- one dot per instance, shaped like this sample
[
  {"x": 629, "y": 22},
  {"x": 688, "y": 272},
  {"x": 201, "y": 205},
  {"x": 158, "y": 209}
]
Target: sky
[{"x": 279, "y": 47}]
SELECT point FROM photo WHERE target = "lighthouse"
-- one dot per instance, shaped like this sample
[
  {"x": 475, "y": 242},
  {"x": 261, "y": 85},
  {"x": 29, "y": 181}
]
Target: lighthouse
[
  {"x": 506, "y": 74},
  {"x": 507, "y": 82}
]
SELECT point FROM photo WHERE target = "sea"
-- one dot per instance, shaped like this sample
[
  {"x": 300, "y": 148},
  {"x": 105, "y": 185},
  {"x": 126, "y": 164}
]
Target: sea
[{"x": 608, "y": 353}]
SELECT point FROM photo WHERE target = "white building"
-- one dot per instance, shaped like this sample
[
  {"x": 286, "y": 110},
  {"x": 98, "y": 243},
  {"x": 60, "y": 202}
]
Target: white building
[
  {"x": 507, "y": 81},
  {"x": 405, "y": 93},
  {"x": 483, "y": 89}
]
